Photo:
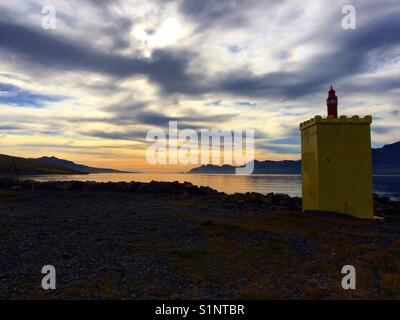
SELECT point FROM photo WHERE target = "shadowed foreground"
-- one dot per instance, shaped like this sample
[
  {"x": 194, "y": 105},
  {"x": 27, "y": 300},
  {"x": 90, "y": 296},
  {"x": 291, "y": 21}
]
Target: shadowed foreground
[{"x": 173, "y": 241}]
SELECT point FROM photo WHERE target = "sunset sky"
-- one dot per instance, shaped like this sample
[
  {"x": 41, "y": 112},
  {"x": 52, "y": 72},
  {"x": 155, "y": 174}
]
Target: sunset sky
[{"x": 90, "y": 90}]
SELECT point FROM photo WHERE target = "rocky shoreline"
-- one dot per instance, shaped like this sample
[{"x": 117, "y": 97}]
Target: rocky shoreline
[
  {"x": 170, "y": 240},
  {"x": 277, "y": 201},
  {"x": 158, "y": 188}
]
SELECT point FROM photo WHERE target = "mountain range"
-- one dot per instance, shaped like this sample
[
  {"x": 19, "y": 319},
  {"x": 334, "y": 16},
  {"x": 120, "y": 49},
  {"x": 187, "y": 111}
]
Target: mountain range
[
  {"x": 260, "y": 167},
  {"x": 385, "y": 161},
  {"x": 75, "y": 166},
  {"x": 10, "y": 165},
  {"x": 21, "y": 166}
]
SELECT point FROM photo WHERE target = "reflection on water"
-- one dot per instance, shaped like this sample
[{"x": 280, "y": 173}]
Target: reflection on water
[
  {"x": 387, "y": 186},
  {"x": 262, "y": 183}
]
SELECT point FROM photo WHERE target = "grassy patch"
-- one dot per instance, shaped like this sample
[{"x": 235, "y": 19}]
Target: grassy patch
[
  {"x": 191, "y": 203},
  {"x": 267, "y": 268},
  {"x": 221, "y": 263},
  {"x": 146, "y": 245},
  {"x": 217, "y": 227},
  {"x": 6, "y": 193},
  {"x": 6, "y": 234},
  {"x": 3, "y": 295},
  {"x": 390, "y": 284},
  {"x": 191, "y": 252},
  {"x": 150, "y": 289},
  {"x": 103, "y": 289}
]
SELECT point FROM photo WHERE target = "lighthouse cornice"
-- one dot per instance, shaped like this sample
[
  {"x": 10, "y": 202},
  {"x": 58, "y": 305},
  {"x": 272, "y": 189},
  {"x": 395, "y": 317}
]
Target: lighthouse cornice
[{"x": 331, "y": 120}]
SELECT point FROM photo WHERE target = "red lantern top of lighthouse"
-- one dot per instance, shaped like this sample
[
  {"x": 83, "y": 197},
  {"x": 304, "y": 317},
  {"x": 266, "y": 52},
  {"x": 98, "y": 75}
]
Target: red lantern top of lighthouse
[{"x": 332, "y": 103}]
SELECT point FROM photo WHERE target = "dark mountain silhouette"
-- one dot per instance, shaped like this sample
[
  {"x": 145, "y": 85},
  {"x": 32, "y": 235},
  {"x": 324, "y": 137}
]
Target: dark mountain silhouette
[
  {"x": 213, "y": 169},
  {"x": 277, "y": 167},
  {"x": 75, "y": 166},
  {"x": 260, "y": 167},
  {"x": 385, "y": 160},
  {"x": 16, "y": 166}
]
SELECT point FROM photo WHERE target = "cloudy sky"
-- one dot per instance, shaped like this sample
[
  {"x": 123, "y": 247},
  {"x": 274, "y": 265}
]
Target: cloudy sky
[{"x": 90, "y": 90}]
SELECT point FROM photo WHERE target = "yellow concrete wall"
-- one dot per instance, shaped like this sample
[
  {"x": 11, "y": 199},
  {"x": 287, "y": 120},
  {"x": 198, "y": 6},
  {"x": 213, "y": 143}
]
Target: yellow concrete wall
[
  {"x": 309, "y": 171},
  {"x": 337, "y": 166}
]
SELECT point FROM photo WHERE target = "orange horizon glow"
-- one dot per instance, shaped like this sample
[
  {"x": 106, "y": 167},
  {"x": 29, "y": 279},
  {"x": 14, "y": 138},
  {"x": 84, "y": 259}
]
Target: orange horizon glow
[{"x": 138, "y": 162}]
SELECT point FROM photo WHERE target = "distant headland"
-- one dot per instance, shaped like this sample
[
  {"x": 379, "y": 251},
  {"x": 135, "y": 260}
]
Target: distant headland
[
  {"x": 385, "y": 161},
  {"x": 18, "y": 166}
]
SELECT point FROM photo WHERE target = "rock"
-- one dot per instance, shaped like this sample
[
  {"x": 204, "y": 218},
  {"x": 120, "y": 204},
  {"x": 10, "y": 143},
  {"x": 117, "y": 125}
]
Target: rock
[
  {"x": 282, "y": 199},
  {"x": 64, "y": 186},
  {"x": 384, "y": 200},
  {"x": 207, "y": 191},
  {"x": 133, "y": 186},
  {"x": 89, "y": 186},
  {"x": 187, "y": 186},
  {"x": 76, "y": 186}
]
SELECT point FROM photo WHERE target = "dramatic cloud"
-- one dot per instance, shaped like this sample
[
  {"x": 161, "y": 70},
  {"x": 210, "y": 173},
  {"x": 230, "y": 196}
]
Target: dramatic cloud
[
  {"x": 112, "y": 70},
  {"x": 15, "y": 96}
]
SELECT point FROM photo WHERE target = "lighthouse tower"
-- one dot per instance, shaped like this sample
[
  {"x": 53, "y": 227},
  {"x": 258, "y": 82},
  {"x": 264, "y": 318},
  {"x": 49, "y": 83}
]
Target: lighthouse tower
[
  {"x": 336, "y": 163},
  {"x": 332, "y": 103}
]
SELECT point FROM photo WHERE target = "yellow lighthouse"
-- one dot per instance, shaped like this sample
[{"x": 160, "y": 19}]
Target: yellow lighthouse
[{"x": 336, "y": 163}]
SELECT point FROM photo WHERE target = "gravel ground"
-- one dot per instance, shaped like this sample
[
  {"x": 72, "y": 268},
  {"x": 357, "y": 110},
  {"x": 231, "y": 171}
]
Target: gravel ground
[{"x": 131, "y": 245}]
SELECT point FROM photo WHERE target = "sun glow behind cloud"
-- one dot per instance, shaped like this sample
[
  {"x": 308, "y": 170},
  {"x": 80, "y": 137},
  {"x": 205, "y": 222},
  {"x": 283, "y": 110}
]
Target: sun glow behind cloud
[{"x": 112, "y": 70}]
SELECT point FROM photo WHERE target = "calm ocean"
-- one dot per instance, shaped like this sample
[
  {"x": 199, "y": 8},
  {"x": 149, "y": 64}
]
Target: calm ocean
[{"x": 262, "y": 183}]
